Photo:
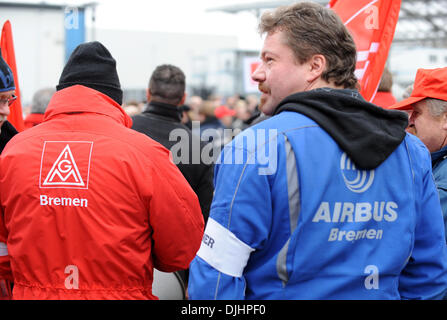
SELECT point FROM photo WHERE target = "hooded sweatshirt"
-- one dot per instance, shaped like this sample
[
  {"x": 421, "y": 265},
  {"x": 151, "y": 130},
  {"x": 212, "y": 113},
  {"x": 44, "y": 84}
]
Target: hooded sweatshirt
[{"x": 368, "y": 134}]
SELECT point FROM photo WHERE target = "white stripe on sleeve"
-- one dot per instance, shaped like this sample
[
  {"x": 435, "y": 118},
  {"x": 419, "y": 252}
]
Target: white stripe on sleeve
[{"x": 222, "y": 250}]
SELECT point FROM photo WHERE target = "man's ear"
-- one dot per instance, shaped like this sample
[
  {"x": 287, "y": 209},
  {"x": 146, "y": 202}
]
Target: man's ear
[
  {"x": 444, "y": 121},
  {"x": 148, "y": 94},
  {"x": 182, "y": 102},
  {"x": 317, "y": 65}
]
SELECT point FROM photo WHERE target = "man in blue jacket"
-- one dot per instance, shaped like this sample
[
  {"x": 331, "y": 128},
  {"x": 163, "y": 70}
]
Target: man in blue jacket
[
  {"x": 428, "y": 121},
  {"x": 327, "y": 199}
]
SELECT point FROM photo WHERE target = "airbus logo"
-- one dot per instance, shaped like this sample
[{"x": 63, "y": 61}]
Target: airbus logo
[{"x": 356, "y": 180}]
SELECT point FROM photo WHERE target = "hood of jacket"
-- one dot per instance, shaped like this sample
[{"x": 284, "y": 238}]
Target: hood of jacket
[
  {"x": 367, "y": 133},
  {"x": 81, "y": 99}
]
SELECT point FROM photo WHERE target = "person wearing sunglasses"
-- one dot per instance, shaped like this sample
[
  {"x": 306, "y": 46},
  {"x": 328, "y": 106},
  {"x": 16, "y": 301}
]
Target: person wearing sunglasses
[{"x": 7, "y": 98}]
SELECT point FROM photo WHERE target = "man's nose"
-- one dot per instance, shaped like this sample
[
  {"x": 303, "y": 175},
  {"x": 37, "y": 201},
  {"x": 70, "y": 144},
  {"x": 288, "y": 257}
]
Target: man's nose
[{"x": 258, "y": 75}]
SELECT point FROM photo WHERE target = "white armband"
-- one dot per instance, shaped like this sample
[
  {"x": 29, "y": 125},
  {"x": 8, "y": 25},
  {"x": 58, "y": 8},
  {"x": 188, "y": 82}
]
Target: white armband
[{"x": 222, "y": 250}]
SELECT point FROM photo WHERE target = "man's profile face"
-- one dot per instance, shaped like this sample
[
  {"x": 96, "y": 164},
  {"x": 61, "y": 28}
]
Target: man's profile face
[
  {"x": 279, "y": 74},
  {"x": 427, "y": 127},
  {"x": 4, "y": 107}
]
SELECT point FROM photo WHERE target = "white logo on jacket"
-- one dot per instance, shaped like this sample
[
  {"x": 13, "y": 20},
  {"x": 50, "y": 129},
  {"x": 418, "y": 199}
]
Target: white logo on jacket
[
  {"x": 65, "y": 172},
  {"x": 357, "y": 181}
]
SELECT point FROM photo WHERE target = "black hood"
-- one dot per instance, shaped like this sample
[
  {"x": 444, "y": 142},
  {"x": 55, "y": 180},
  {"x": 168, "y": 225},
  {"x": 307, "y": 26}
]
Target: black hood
[{"x": 367, "y": 133}]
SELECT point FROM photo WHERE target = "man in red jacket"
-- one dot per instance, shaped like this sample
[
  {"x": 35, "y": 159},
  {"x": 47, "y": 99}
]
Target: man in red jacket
[{"x": 88, "y": 206}]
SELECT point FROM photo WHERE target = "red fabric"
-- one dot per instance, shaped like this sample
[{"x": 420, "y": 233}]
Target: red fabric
[
  {"x": 429, "y": 83},
  {"x": 384, "y": 99},
  {"x": 33, "y": 119},
  {"x": 372, "y": 25},
  {"x": 134, "y": 209},
  {"x": 7, "y": 45},
  {"x": 223, "y": 111}
]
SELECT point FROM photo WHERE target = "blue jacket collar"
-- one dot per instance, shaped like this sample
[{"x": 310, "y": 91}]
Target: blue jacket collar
[{"x": 437, "y": 155}]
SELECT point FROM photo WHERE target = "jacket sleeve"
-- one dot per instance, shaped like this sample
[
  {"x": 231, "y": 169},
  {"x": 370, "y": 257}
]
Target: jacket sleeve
[
  {"x": 204, "y": 191},
  {"x": 239, "y": 224},
  {"x": 5, "y": 268},
  {"x": 442, "y": 191},
  {"x": 175, "y": 218},
  {"x": 425, "y": 275}
]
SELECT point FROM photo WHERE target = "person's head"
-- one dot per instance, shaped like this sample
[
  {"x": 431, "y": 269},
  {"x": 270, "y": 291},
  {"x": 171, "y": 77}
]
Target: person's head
[
  {"x": 306, "y": 47},
  {"x": 241, "y": 109},
  {"x": 7, "y": 90},
  {"x": 206, "y": 110},
  {"x": 41, "y": 99},
  {"x": 252, "y": 102},
  {"x": 427, "y": 104},
  {"x": 91, "y": 65},
  {"x": 428, "y": 121},
  {"x": 225, "y": 115},
  {"x": 386, "y": 81},
  {"x": 194, "y": 102},
  {"x": 167, "y": 85},
  {"x": 407, "y": 91}
]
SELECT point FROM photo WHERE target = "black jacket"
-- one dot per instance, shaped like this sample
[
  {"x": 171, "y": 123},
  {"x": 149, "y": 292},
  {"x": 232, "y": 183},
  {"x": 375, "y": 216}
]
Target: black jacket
[
  {"x": 7, "y": 132},
  {"x": 158, "y": 121}
]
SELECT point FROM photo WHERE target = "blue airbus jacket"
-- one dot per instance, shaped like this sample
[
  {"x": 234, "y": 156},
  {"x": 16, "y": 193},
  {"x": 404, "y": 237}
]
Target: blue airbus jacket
[
  {"x": 439, "y": 164},
  {"x": 328, "y": 199}
]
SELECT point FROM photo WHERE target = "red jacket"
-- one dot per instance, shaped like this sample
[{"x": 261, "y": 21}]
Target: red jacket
[
  {"x": 33, "y": 119},
  {"x": 89, "y": 206},
  {"x": 384, "y": 99}
]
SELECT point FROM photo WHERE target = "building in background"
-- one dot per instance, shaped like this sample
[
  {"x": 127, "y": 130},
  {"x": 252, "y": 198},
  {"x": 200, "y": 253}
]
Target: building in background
[
  {"x": 39, "y": 41},
  {"x": 405, "y": 60},
  {"x": 45, "y": 35},
  {"x": 207, "y": 60}
]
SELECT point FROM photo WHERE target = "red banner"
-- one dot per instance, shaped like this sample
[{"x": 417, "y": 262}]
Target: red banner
[
  {"x": 372, "y": 24},
  {"x": 7, "y": 46}
]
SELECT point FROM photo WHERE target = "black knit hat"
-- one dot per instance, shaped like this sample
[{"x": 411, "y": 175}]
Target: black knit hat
[
  {"x": 92, "y": 65},
  {"x": 6, "y": 76}
]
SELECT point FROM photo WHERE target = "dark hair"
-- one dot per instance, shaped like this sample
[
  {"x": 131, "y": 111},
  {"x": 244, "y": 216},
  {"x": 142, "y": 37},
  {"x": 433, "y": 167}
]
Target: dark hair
[
  {"x": 167, "y": 84},
  {"x": 310, "y": 29},
  {"x": 386, "y": 82}
]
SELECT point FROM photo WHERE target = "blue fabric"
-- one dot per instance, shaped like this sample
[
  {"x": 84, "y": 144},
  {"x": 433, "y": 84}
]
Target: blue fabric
[
  {"x": 440, "y": 175},
  {"x": 384, "y": 242}
]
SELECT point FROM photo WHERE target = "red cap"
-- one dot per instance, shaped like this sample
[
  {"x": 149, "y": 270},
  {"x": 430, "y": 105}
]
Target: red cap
[
  {"x": 429, "y": 83},
  {"x": 223, "y": 111}
]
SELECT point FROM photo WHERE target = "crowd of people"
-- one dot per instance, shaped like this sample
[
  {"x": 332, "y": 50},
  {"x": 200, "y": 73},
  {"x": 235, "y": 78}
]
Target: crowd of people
[{"x": 315, "y": 193}]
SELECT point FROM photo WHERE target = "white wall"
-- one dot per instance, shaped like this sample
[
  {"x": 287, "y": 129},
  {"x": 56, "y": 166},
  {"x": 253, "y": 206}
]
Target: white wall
[
  {"x": 138, "y": 53},
  {"x": 404, "y": 62},
  {"x": 39, "y": 46},
  {"x": 39, "y": 39}
]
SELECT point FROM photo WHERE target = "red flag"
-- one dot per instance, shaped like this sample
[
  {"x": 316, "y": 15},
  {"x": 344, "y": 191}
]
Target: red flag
[
  {"x": 7, "y": 46},
  {"x": 372, "y": 24}
]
